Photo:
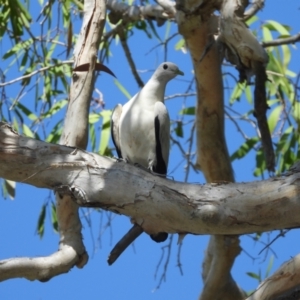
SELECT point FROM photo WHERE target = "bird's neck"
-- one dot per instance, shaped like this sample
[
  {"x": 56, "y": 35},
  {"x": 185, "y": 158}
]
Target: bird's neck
[{"x": 154, "y": 90}]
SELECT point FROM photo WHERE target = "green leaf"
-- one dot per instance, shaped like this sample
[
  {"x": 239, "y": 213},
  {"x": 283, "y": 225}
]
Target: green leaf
[
  {"x": 267, "y": 35},
  {"x": 27, "y": 131},
  {"x": 296, "y": 110},
  {"x": 93, "y": 138},
  {"x": 19, "y": 47},
  {"x": 188, "y": 111},
  {"x": 54, "y": 217},
  {"x": 286, "y": 149},
  {"x": 55, "y": 108},
  {"x": 237, "y": 92},
  {"x": 66, "y": 12},
  {"x": 179, "y": 129},
  {"x": 244, "y": 149},
  {"x": 260, "y": 164},
  {"x": 270, "y": 265},
  {"x": 180, "y": 44},
  {"x": 286, "y": 55},
  {"x": 249, "y": 94},
  {"x": 290, "y": 73},
  {"x": 153, "y": 28},
  {"x": 51, "y": 49},
  {"x": 55, "y": 133},
  {"x": 41, "y": 221},
  {"x": 94, "y": 118},
  {"x": 10, "y": 188},
  {"x": 276, "y": 67},
  {"x": 24, "y": 61},
  {"x": 142, "y": 25},
  {"x": 251, "y": 20},
  {"x": 122, "y": 89},
  {"x": 276, "y": 26},
  {"x": 274, "y": 117},
  {"x": 253, "y": 275},
  {"x": 27, "y": 112},
  {"x": 105, "y": 132},
  {"x": 281, "y": 146}
]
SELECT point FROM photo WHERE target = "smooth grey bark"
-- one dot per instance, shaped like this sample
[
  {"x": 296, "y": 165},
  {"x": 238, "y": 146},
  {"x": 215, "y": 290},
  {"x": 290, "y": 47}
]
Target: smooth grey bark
[{"x": 155, "y": 203}]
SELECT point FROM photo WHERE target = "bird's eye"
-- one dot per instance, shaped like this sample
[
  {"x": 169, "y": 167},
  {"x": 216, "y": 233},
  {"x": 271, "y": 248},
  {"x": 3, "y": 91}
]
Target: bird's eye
[{"x": 165, "y": 66}]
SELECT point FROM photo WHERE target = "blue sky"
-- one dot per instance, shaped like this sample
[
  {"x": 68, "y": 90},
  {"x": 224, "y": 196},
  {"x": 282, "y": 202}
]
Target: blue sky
[{"x": 132, "y": 276}]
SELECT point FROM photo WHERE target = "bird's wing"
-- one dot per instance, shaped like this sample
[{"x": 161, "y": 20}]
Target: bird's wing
[
  {"x": 114, "y": 127},
  {"x": 162, "y": 138}
]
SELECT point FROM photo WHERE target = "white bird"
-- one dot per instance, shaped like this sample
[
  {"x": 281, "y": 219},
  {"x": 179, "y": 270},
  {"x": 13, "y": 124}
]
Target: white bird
[
  {"x": 141, "y": 134},
  {"x": 141, "y": 128}
]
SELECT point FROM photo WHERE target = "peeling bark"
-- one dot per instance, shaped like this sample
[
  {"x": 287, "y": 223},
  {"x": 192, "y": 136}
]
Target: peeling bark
[{"x": 283, "y": 284}]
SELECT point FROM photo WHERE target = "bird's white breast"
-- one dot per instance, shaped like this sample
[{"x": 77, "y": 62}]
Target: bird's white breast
[{"x": 137, "y": 136}]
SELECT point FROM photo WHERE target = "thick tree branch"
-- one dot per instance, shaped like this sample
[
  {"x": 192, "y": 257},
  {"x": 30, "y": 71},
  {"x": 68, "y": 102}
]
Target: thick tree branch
[
  {"x": 226, "y": 246},
  {"x": 39, "y": 268},
  {"x": 168, "y": 6},
  {"x": 121, "y": 10},
  {"x": 156, "y": 204},
  {"x": 212, "y": 154},
  {"x": 283, "y": 284}
]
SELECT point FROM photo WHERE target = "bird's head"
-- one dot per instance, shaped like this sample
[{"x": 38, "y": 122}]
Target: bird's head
[{"x": 167, "y": 71}]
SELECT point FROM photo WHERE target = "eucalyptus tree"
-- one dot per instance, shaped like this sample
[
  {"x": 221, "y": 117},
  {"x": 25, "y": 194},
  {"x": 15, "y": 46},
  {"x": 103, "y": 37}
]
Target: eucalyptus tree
[{"x": 213, "y": 35}]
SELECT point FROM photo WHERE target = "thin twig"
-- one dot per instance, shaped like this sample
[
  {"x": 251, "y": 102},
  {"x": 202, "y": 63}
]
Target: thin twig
[
  {"x": 179, "y": 264},
  {"x": 163, "y": 276},
  {"x": 164, "y": 43},
  {"x": 128, "y": 55},
  {"x": 284, "y": 41},
  {"x": 67, "y": 62},
  {"x": 239, "y": 129},
  {"x": 180, "y": 95},
  {"x": 280, "y": 234},
  {"x": 256, "y": 6}
]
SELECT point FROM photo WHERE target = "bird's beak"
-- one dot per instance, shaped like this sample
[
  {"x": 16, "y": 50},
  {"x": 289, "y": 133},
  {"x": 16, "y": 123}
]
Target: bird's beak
[{"x": 178, "y": 72}]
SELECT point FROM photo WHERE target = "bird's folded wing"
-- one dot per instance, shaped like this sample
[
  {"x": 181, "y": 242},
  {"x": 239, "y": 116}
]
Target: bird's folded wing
[
  {"x": 162, "y": 138},
  {"x": 114, "y": 127}
]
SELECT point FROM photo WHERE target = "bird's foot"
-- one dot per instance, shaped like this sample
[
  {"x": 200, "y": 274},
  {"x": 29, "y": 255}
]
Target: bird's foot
[
  {"x": 118, "y": 159},
  {"x": 141, "y": 167}
]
